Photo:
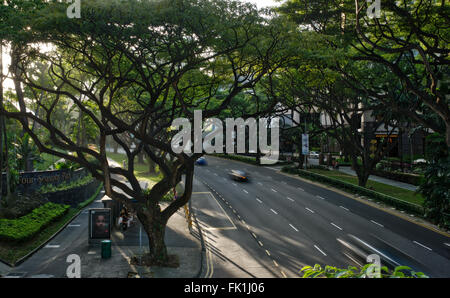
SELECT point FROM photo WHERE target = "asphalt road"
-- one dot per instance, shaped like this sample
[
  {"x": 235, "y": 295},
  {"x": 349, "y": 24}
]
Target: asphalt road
[{"x": 285, "y": 223}]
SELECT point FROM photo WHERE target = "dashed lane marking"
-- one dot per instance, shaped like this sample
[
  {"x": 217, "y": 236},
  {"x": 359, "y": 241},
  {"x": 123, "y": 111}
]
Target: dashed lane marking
[
  {"x": 295, "y": 229},
  {"x": 420, "y": 244},
  {"x": 320, "y": 250},
  {"x": 336, "y": 226},
  {"x": 378, "y": 224}
]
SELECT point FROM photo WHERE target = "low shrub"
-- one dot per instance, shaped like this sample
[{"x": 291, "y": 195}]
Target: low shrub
[
  {"x": 49, "y": 188},
  {"x": 25, "y": 227}
]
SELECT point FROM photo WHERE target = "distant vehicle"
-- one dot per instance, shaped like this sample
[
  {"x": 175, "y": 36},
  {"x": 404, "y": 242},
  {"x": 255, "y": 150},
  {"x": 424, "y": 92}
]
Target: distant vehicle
[
  {"x": 239, "y": 175},
  {"x": 314, "y": 155},
  {"x": 201, "y": 162},
  {"x": 357, "y": 250},
  {"x": 419, "y": 161}
]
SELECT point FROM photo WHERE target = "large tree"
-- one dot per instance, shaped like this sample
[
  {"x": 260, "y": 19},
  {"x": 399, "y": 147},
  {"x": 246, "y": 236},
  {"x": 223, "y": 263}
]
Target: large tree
[
  {"x": 409, "y": 39},
  {"x": 144, "y": 64}
]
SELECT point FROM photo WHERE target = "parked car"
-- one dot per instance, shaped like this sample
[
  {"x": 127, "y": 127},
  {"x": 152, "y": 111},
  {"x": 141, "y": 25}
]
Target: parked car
[
  {"x": 238, "y": 175},
  {"x": 314, "y": 154},
  {"x": 201, "y": 162}
]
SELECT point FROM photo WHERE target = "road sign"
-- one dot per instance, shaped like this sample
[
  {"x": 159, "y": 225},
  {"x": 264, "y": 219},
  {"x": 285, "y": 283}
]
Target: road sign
[{"x": 305, "y": 144}]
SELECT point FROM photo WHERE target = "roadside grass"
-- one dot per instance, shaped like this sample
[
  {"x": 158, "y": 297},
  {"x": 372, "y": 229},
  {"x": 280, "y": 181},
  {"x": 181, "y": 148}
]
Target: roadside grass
[
  {"x": 140, "y": 170},
  {"x": 396, "y": 192},
  {"x": 13, "y": 252}
]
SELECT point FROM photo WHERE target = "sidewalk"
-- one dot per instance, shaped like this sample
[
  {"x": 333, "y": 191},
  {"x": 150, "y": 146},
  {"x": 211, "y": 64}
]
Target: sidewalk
[
  {"x": 399, "y": 184},
  {"x": 349, "y": 171},
  {"x": 134, "y": 242}
]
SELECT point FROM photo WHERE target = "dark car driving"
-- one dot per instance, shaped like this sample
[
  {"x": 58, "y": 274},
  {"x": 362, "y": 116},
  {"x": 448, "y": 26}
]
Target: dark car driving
[{"x": 238, "y": 175}]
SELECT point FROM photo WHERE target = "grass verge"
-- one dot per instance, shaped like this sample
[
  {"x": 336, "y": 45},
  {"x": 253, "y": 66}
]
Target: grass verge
[
  {"x": 141, "y": 171},
  {"x": 393, "y": 191},
  {"x": 393, "y": 196}
]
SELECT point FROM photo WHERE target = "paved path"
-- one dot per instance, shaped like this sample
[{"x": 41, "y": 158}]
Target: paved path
[{"x": 349, "y": 171}]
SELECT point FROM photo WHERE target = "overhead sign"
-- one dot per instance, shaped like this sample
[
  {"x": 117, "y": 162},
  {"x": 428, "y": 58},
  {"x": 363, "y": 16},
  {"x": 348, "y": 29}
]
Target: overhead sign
[{"x": 305, "y": 144}]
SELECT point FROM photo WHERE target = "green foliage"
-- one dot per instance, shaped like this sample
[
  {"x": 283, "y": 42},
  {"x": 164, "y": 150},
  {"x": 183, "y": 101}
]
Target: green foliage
[
  {"x": 91, "y": 199},
  {"x": 395, "y": 202},
  {"x": 49, "y": 188},
  {"x": 26, "y": 227},
  {"x": 67, "y": 165},
  {"x": 436, "y": 184},
  {"x": 353, "y": 272}
]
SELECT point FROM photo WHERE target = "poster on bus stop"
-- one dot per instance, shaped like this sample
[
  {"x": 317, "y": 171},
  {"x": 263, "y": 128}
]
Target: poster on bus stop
[{"x": 100, "y": 223}]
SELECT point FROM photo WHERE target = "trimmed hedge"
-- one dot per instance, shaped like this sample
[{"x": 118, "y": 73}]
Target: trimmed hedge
[
  {"x": 400, "y": 204},
  {"x": 25, "y": 227},
  {"x": 92, "y": 198}
]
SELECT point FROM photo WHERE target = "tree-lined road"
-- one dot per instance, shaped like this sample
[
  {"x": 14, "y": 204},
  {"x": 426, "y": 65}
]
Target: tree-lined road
[{"x": 289, "y": 223}]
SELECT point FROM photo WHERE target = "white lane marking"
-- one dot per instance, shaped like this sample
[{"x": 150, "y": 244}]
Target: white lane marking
[
  {"x": 312, "y": 211},
  {"x": 423, "y": 245},
  {"x": 72, "y": 226},
  {"x": 234, "y": 184},
  {"x": 267, "y": 252},
  {"x": 260, "y": 183},
  {"x": 245, "y": 191},
  {"x": 322, "y": 198},
  {"x": 259, "y": 201},
  {"x": 254, "y": 236},
  {"x": 275, "y": 263},
  {"x": 284, "y": 274},
  {"x": 336, "y": 226},
  {"x": 215, "y": 174},
  {"x": 295, "y": 229},
  {"x": 260, "y": 243},
  {"x": 448, "y": 244},
  {"x": 378, "y": 224},
  {"x": 273, "y": 211},
  {"x": 274, "y": 190},
  {"x": 52, "y": 246},
  {"x": 284, "y": 182},
  {"x": 344, "y": 208},
  {"x": 299, "y": 188},
  {"x": 290, "y": 199},
  {"x": 320, "y": 250},
  {"x": 348, "y": 256}
]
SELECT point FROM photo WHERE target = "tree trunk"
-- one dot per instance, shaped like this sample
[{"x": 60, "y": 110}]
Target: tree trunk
[
  {"x": 151, "y": 167},
  {"x": 363, "y": 177},
  {"x": 141, "y": 158},
  {"x": 155, "y": 228}
]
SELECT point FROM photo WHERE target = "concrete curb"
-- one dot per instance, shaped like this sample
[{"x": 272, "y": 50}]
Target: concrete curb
[{"x": 202, "y": 241}]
